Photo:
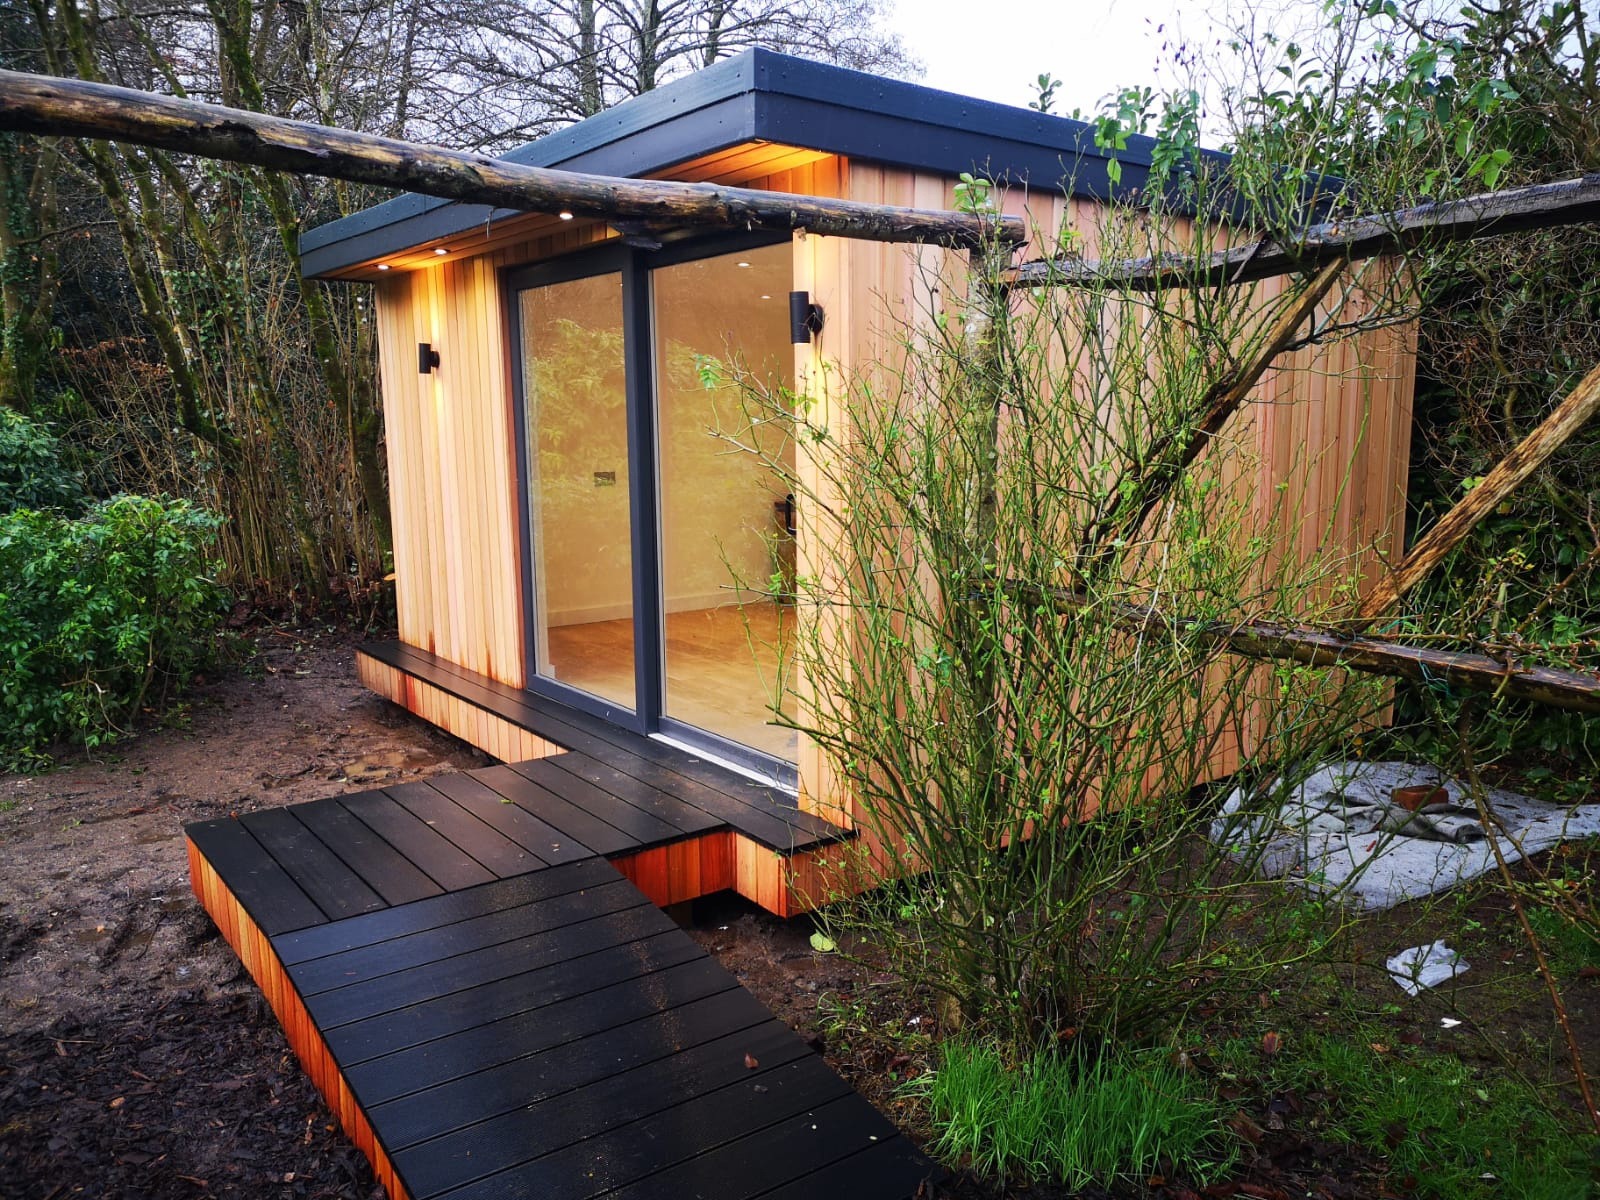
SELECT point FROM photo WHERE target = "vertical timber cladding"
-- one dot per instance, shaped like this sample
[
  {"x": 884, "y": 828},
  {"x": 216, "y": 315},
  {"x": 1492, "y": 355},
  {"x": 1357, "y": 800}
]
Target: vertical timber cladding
[
  {"x": 1329, "y": 435},
  {"x": 1340, "y": 448}
]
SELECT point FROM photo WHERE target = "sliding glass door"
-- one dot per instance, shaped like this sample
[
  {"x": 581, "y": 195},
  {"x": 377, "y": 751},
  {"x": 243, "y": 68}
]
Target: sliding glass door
[
  {"x": 575, "y": 413},
  {"x": 659, "y": 533},
  {"x": 725, "y": 545}
]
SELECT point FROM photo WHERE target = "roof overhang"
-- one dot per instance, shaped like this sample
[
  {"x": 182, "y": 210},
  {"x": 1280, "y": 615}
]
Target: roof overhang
[{"x": 760, "y": 96}]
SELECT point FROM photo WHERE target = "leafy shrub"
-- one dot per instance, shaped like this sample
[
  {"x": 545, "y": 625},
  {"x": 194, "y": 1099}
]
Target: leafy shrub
[
  {"x": 32, "y": 469},
  {"x": 99, "y": 617},
  {"x": 1074, "y": 1119}
]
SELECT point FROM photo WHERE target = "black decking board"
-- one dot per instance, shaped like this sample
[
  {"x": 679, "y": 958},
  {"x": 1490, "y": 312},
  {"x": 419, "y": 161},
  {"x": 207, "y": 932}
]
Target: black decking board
[
  {"x": 433, "y": 853},
  {"x": 563, "y": 1068},
  {"x": 561, "y": 814},
  {"x": 489, "y": 846},
  {"x": 685, "y": 819},
  {"x": 443, "y": 910},
  {"x": 645, "y": 827},
  {"x": 383, "y": 868},
  {"x": 770, "y": 1156},
  {"x": 550, "y": 1034},
  {"x": 666, "y": 1140},
  {"x": 480, "y": 1047},
  {"x": 321, "y": 874},
  {"x": 398, "y": 954},
  {"x": 552, "y": 983},
  {"x": 880, "y": 1170},
  {"x": 749, "y": 807},
  {"x": 432, "y": 980},
  {"x": 535, "y": 1130},
  {"x": 499, "y": 812},
  {"x": 274, "y": 901}
]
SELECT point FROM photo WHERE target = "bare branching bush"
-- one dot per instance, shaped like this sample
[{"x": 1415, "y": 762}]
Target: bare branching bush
[{"x": 1014, "y": 541}]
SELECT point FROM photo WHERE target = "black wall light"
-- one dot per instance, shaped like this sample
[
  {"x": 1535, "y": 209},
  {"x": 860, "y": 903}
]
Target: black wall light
[
  {"x": 427, "y": 358},
  {"x": 805, "y": 318}
]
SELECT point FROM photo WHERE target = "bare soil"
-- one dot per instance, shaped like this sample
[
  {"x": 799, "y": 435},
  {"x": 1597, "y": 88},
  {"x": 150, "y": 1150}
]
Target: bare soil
[{"x": 137, "y": 1059}]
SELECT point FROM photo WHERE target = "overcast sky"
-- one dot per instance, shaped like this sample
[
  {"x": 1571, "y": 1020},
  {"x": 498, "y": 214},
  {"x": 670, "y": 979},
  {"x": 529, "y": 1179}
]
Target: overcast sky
[{"x": 996, "y": 48}]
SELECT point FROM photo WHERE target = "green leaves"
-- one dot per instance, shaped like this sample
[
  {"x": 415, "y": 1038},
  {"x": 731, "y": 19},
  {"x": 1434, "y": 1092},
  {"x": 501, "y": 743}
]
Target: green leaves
[{"x": 99, "y": 616}]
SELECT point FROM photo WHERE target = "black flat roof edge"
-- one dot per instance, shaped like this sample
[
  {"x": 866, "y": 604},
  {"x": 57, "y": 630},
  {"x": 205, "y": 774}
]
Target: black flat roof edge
[{"x": 760, "y": 95}]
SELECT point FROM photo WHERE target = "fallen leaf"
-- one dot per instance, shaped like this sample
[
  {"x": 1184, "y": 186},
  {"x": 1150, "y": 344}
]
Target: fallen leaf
[
  {"x": 751, "y": 1062},
  {"x": 822, "y": 943},
  {"x": 119, "y": 1102},
  {"x": 1271, "y": 1043}
]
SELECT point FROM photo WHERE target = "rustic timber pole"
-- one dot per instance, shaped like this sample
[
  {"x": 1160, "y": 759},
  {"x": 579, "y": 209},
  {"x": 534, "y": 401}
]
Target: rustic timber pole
[
  {"x": 1575, "y": 690},
  {"x": 46, "y": 104},
  {"x": 1490, "y": 214},
  {"x": 1449, "y": 530},
  {"x": 1126, "y": 508}
]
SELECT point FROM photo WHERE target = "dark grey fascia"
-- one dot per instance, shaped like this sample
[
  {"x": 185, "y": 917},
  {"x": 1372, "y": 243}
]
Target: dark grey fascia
[{"x": 762, "y": 96}]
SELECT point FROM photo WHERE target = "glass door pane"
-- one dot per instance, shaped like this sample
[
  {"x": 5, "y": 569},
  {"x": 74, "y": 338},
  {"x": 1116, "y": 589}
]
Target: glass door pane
[
  {"x": 725, "y": 540},
  {"x": 578, "y": 485}
]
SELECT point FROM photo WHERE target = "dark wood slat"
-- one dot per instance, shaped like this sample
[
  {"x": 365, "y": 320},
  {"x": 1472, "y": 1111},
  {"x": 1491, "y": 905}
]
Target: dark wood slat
[
  {"x": 549, "y": 984},
  {"x": 670, "y": 1138},
  {"x": 557, "y": 811},
  {"x": 646, "y": 827},
  {"x": 754, "y": 807},
  {"x": 490, "y": 847},
  {"x": 274, "y": 901},
  {"x": 390, "y": 992},
  {"x": 523, "y": 1035},
  {"x": 490, "y": 1092},
  {"x": 321, "y": 874},
  {"x": 686, "y": 819},
  {"x": 500, "y": 813},
  {"x": 771, "y": 1156},
  {"x": 584, "y": 732},
  {"x": 433, "y": 853},
  {"x": 891, "y": 1169},
  {"x": 535, "y": 1130},
  {"x": 383, "y": 868},
  {"x": 464, "y": 937},
  {"x": 443, "y": 910}
]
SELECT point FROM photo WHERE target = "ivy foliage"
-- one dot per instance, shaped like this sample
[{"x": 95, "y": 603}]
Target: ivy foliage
[{"x": 102, "y": 617}]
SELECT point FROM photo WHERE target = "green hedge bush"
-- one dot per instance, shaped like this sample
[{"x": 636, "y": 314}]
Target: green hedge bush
[
  {"x": 32, "y": 469},
  {"x": 100, "y": 617}
]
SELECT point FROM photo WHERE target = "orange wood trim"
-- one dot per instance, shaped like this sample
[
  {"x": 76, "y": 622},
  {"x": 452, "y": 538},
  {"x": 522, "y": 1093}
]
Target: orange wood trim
[{"x": 256, "y": 953}]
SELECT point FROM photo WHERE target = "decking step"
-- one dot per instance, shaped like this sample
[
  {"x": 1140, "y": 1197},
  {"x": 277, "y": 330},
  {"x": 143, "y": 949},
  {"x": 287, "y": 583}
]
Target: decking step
[{"x": 551, "y": 1034}]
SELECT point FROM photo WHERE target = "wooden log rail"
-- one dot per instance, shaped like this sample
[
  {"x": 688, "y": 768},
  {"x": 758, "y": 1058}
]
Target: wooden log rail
[
  {"x": 1489, "y": 214},
  {"x": 1578, "y": 691},
  {"x": 44, "y": 104}
]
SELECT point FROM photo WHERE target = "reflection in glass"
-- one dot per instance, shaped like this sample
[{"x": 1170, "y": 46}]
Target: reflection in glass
[
  {"x": 725, "y": 519},
  {"x": 578, "y": 484}
]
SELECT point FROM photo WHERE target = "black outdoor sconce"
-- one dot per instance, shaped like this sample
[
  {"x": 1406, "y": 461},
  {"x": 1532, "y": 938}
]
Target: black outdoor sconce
[
  {"x": 427, "y": 358},
  {"x": 805, "y": 318}
]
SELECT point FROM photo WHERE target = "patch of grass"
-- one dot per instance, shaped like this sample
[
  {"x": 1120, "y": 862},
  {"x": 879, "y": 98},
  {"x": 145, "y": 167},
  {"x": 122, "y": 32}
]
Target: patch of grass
[
  {"x": 1445, "y": 1130},
  {"x": 1569, "y": 945},
  {"x": 1072, "y": 1119}
]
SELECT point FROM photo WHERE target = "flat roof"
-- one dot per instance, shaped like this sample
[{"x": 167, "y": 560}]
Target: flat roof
[{"x": 762, "y": 96}]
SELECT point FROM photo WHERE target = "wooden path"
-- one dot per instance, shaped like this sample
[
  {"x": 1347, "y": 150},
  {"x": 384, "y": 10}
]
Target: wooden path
[{"x": 495, "y": 1011}]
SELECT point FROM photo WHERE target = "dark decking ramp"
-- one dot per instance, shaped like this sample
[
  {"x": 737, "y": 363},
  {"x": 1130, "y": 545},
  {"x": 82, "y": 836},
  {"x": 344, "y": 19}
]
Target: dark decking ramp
[{"x": 495, "y": 1012}]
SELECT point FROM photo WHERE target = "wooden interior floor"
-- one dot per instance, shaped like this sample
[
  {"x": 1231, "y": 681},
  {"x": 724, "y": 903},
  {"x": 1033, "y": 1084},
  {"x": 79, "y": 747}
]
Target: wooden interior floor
[
  {"x": 722, "y": 667},
  {"x": 495, "y": 1012}
]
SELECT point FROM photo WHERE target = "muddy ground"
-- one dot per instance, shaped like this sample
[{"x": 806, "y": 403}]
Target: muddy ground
[{"x": 137, "y": 1059}]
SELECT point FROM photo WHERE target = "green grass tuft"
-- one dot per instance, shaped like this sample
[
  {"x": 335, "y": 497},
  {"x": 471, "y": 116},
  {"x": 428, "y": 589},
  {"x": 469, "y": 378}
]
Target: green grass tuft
[
  {"x": 1073, "y": 1120},
  {"x": 1444, "y": 1130}
]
